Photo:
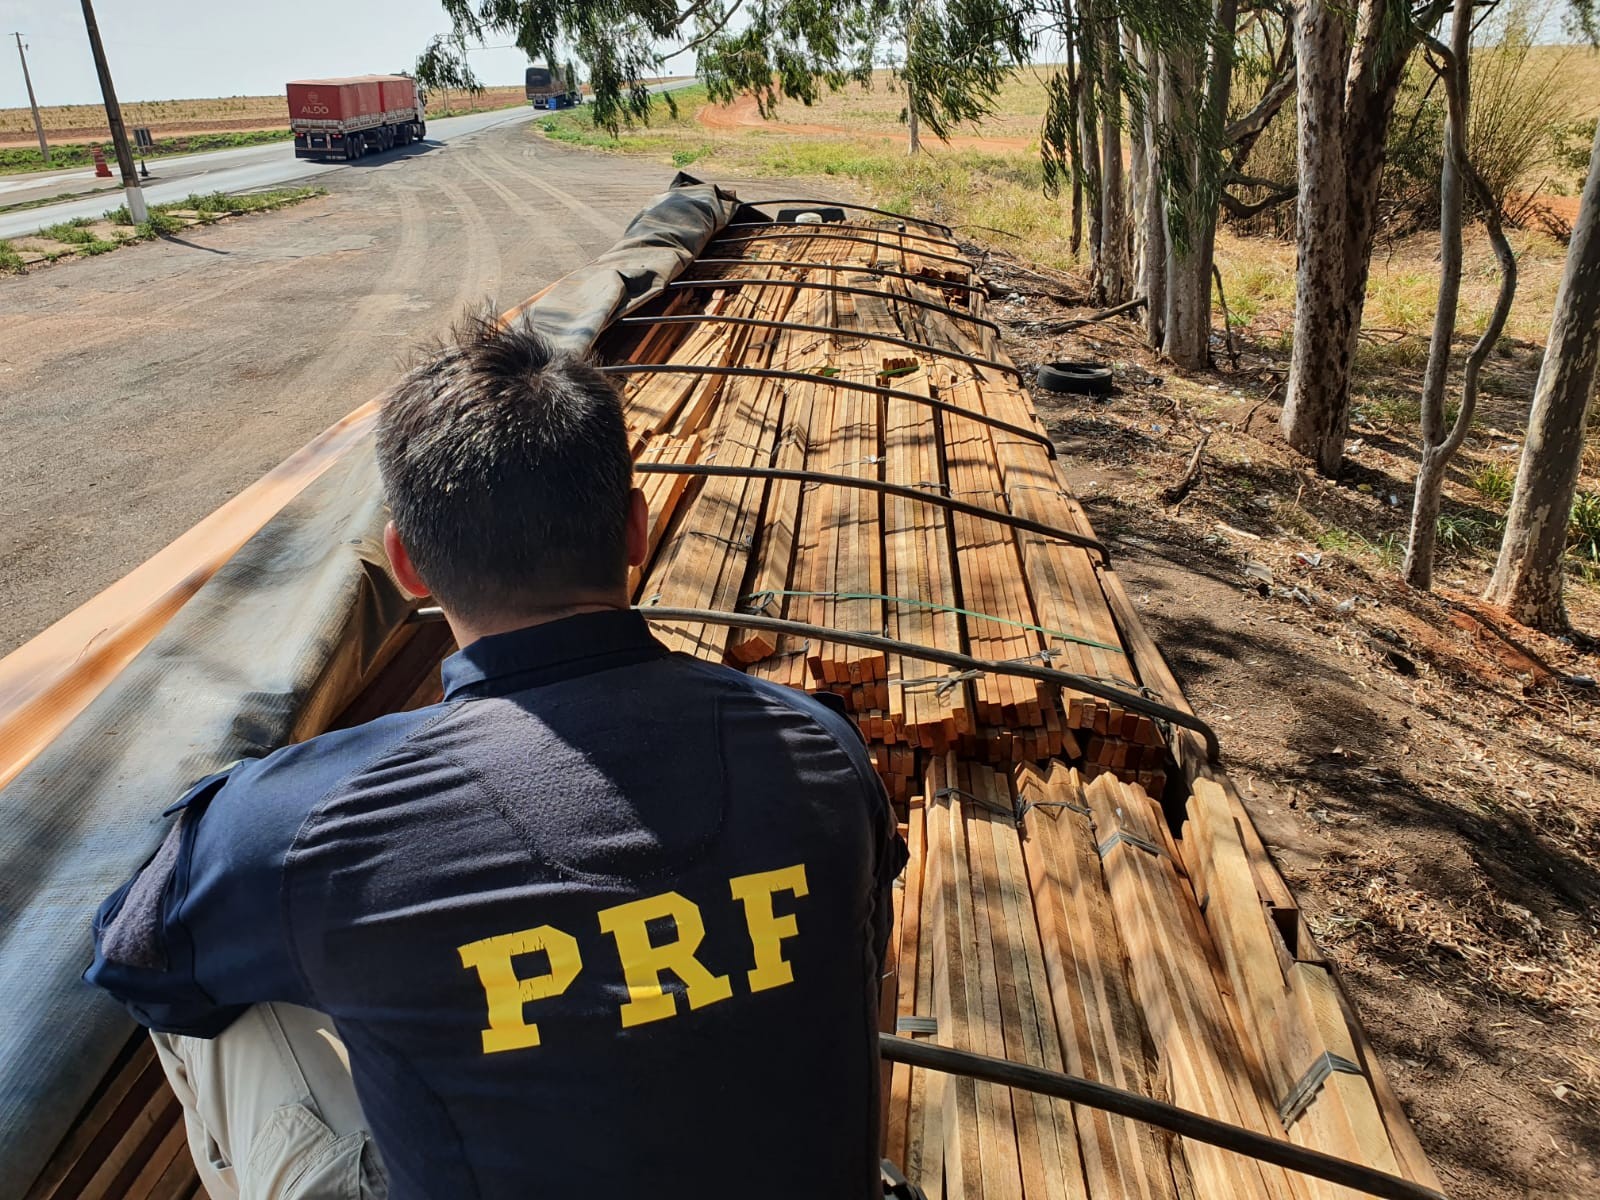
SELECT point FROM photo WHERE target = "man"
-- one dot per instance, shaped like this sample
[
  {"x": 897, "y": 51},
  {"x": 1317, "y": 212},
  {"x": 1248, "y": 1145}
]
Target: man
[{"x": 606, "y": 921}]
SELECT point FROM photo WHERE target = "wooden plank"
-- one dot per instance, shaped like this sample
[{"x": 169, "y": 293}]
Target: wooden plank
[
  {"x": 1101, "y": 1030},
  {"x": 1198, "y": 1050},
  {"x": 897, "y": 1102}
]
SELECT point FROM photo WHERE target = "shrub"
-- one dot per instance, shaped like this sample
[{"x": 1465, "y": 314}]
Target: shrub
[
  {"x": 10, "y": 260},
  {"x": 1520, "y": 125},
  {"x": 1493, "y": 481},
  {"x": 1461, "y": 533},
  {"x": 1583, "y": 539}
]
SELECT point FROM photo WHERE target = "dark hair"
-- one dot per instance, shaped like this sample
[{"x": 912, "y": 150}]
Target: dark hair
[{"x": 507, "y": 471}]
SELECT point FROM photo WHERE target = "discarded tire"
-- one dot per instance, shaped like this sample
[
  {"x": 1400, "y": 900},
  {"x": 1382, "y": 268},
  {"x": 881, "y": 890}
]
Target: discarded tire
[{"x": 1083, "y": 378}]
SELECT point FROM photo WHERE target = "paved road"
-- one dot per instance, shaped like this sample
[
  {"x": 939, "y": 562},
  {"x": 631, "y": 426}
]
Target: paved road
[
  {"x": 269, "y": 165},
  {"x": 140, "y": 389},
  {"x": 242, "y": 170}
]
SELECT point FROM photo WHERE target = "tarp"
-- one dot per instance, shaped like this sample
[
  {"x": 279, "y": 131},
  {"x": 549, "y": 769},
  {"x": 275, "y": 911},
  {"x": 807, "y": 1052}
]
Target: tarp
[{"x": 273, "y": 645}]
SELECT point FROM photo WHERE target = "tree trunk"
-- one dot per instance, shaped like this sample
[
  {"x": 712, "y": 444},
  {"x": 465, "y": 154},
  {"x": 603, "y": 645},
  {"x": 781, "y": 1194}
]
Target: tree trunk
[
  {"x": 1316, "y": 410},
  {"x": 1418, "y": 566},
  {"x": 1154, "y": 218},
  {"x": 1377, "y": 67},
  {"x": 1344, "y": 105},
  {"x": 1186, "y": 338},
  {"x": 914, "y": 142},
  {"x": 1527, "y": 578},
  {"x": 1089, "y": 153},
  {"x": 1077, "y": 176},
  {"x": 1115, "y": 233}
]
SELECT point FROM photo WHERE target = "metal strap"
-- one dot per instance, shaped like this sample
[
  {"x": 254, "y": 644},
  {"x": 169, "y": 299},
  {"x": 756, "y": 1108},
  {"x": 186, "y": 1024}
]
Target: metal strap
[
  {"x": 998, "y": 516},
  {"x": 764, "y": 597},
  {"x": 760, "y": 323},
  {"x": 1027, "y": 806},
  {"x": 1133, "y": 839},
  {"x": 1303, "y": 1093},
  {"x": 842, "y": 288},
  {"x": 1086, "y": 684},
  {"x": 1192, "y": 1125},
  {"x": 824, "y": 231},
  {"x": 1033, "y": 435},
  {"x": 916, "y": 1025},
  {"x": 930, "y": 280}
]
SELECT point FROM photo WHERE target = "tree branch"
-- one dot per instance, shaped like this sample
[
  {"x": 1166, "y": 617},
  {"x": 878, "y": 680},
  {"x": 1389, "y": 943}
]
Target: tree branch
[
  {"x": 708, "y": 34},
  {"x": 1243, "y": 210},
  {"x": 1253, "y": 123}
]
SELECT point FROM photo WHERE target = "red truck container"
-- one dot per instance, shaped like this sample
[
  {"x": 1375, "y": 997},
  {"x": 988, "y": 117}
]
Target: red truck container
[{"x": 346, "y": 118}]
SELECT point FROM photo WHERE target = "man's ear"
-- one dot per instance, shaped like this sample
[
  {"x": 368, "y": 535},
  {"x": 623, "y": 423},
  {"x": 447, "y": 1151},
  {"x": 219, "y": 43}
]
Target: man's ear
[
  {"x": 638, "y": 528},
  {"x": 405, "y": 571}
]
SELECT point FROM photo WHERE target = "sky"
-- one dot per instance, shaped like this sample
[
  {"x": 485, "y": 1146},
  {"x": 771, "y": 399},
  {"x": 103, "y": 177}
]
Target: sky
[{"x": 175, "y": 49}]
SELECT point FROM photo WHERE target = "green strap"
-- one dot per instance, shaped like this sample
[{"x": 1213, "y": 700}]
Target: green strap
[{"x": 760, "y": 598}]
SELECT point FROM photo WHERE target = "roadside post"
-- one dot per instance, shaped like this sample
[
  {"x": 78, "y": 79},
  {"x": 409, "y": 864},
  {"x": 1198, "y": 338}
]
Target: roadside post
[
  {"x": 119, "y": 133},
  {"x": 33, "y": 104},
  {"x": 143, "y": 140}
]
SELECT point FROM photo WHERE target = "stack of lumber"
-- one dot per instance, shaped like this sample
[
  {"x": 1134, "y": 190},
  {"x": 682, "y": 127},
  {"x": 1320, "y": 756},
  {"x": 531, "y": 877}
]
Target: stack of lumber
[
  {"x": 1053, "y": 911},
  {"x": 1084, "y": 893},
  {"x": 129, "y": 1142},
  {"x": 855, "y": 560}
]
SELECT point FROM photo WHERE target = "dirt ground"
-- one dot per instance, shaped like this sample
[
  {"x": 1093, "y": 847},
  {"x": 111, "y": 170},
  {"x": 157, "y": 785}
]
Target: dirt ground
[
  {"x": 143, "y": 388},
  {"x": 745, "y": 114},
  {"x": 1426, "y": 771}
]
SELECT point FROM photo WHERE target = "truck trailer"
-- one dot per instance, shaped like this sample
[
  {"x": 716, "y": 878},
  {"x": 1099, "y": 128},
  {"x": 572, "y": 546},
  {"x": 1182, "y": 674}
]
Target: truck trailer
[
  {"x": 549, "y": 89},
  {"x": 347, "y": 118}
]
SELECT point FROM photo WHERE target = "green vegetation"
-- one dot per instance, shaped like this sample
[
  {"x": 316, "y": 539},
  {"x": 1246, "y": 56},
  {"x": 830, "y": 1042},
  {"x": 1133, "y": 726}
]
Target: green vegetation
[
  {"x": 1493, "y": 481},
  {"x": 1387, "y": 547},
  {"x": 216, "y": 204},
  {"x": 74, "y": 232},
  {"x": 18, "y": 159},
  {"x": 1584, "y": 533},
  {"x": 1462, "y": 533},
  {"x": 82, "y": 235}
]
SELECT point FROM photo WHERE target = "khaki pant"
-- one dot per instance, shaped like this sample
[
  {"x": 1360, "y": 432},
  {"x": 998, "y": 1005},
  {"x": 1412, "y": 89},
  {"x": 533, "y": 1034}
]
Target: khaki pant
[{"x": 271, "y": 1110}]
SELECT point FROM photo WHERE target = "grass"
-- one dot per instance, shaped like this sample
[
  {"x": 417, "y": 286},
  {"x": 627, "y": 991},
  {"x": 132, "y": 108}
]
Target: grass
[
  {"x": 1493, "y": 481},
  {"x": 1461, "y": 533},
  {"x": 81, "y": 235},
  {"x": 1001, "y": 189},
  {"x": 1584, "y": 531},
  {"x": 1388, "y": 548},
  {"x": 217, "y": 204}
]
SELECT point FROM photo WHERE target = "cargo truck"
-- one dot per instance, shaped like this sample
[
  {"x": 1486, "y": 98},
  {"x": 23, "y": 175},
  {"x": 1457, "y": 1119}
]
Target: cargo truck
[
  {"x": 551, "y": 89},
  {"x": 347, "y": 118}
]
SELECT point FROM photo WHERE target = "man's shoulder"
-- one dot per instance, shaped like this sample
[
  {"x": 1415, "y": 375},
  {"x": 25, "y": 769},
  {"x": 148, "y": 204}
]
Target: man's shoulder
[
  {"x": 791, "y": 699},
  {"x": 293, "y": 781},
  {"x": 822, "y": 710}
]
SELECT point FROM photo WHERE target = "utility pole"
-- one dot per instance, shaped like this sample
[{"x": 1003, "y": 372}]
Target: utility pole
[
  {"x": 119, "y": 135},
  {"x": 38, "y": 125}
]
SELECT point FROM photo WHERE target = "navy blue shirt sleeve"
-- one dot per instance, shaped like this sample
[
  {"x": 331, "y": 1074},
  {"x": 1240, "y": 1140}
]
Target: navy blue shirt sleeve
[{"x": 196, "y": 936}]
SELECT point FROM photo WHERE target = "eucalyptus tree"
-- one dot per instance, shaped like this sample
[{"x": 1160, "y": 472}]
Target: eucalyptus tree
[
  {"x": 1441, "y": 440},
  {"x": 957, "y": 52},
  {"x": 1528, "y": 574}
]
